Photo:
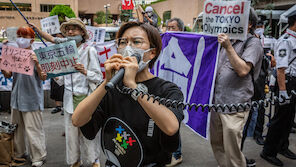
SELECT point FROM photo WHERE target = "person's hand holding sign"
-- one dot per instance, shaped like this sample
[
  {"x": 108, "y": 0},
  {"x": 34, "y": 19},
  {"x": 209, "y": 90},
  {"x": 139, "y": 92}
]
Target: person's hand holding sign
[
  {"x": 80, "y": 67},
  {"x": 224, "y": 40}
]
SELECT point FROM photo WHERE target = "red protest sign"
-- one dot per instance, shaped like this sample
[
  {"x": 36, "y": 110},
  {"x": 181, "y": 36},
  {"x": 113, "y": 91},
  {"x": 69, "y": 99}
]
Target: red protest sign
[
  {"x": 127, "y": 5},
  {"x": 17, "y": 60}
]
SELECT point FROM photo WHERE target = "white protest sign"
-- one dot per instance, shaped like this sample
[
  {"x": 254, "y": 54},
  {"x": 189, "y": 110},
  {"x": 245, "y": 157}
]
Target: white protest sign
[
  {"x": 51, "y": 25},
  {"x": 11, "y": 33},
  {"x": 105, "y": 51},
  {"x": 96, "y": 34},
  {"x": 229, "y": 17}
]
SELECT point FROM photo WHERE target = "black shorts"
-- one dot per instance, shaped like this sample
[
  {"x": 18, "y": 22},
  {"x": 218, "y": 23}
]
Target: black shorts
[{"x": 56, "y": 91}]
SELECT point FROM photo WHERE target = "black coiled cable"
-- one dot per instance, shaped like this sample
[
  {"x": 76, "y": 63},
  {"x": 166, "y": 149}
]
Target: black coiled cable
[{"x": 274, "y": 100}]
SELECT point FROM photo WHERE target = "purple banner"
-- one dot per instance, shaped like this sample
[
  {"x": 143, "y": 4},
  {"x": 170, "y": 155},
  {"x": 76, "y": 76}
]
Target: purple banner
[{"x": 189, "y": 60}]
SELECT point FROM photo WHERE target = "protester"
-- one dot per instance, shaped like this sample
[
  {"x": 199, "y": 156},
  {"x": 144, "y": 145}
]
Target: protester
[
  {"x": 176, "y": 24},
  {"x": 77, "y": 87},
  {"x": 239, "y": 62},
  {"x": 27, "y": 103},
  {"x": 153, "y": 129},
  {"x": 277, "y": 139},
  {"x": 150, "y": 17},
  {"x": 256, "y": 118}
]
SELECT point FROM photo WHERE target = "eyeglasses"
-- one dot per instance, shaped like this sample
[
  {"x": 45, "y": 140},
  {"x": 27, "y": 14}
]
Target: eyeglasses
[
  {"x": 134, "y": 42},
  {"x": 73, "y": 28}
]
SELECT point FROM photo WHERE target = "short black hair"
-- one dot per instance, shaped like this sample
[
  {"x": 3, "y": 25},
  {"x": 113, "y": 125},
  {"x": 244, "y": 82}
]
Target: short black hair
[
  {"x": 180, "y": 23},
  {"x": 253, "y": 19},
  {"x": 291, "y": 20}
]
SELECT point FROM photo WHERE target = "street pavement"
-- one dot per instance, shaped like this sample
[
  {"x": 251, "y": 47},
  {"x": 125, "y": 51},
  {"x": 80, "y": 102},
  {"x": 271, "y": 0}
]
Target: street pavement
[{"x": 196, "y": 150}]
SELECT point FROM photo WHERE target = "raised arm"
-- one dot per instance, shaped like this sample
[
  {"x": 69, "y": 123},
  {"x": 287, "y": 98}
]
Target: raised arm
[
  {"x": 42, "y": 75},
  {"x": 241, "y": 67},
  {"x": 87, "y": 107},
  {"x": 43, "y": 34}
]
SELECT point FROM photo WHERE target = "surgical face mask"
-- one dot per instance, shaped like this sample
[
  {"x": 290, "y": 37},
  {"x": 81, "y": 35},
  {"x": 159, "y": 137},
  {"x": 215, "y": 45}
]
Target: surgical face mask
[
  {"x": 129, "y": 51},
  {"x": 259, "y": 31},
  {"x": 77, "y": 38},
  {"x": 149, "y": 14},
  {"x": 23, "y": 42}
]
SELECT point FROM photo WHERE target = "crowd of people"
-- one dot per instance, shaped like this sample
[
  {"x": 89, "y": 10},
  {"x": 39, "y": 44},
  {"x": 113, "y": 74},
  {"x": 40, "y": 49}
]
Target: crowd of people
[{"x": 150, "y": 129}]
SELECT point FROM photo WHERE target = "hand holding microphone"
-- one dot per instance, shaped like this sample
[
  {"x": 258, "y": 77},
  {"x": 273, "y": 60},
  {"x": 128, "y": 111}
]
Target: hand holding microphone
[{"x": 127, "y": 68}]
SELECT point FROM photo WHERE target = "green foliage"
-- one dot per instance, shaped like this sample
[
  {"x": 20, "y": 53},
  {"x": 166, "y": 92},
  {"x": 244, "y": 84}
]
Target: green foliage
[
  {"x": 62, "y": 11},
  {"x": 101, "y": 17},
  {"x": 166, "y": 16},
  {"x": 125, "y": 15},
  {"x": 267, "y": 30},
  {"x": 187, "y": 29}
]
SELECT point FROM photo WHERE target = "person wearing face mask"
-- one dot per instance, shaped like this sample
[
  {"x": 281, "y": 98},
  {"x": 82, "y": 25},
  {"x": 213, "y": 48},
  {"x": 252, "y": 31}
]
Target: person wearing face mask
[
  {"x": 135, "y": 131},
  {"x": 150, "y": 17},
  {"x": 27, "y": 103},
  {"x": 77, "y": 87}
]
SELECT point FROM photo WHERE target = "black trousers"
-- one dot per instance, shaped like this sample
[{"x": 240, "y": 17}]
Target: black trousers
[
  {"x": 260, "y": 122},
  {"x": 277, "y": 138}
]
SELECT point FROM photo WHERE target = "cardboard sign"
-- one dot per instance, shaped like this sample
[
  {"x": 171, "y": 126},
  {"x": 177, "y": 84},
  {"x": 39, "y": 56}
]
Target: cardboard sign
[
  {"x": 229, "y": 17},
  {"x": 17, "y": 60},
  {"x": 51, "y": 25},
  {"x": 57, "y": 60},
  {"x": 96, "y": 34},
  {"x": 11, "y": 33}
]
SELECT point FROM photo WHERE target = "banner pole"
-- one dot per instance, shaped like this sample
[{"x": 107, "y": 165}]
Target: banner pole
[{"x": 28, "y": 22}]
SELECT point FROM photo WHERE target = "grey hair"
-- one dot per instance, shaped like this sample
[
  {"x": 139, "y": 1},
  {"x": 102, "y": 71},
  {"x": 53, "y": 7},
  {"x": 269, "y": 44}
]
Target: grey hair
[
  {"x": 253, "y": 19},
  {"x": 180, "y": 23}
]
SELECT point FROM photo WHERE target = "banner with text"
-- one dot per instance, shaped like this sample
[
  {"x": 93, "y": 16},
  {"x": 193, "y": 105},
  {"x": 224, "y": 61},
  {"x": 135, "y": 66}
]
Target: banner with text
[
  {"x": 189, "y": 60},
  {"x": 11, "y": 33},
  {"x": 105, "y": 51},
  {"x": 17, "y": 60},
  {"x": 229, "y": 17},
  {"x": 51, "y": 25},
  {"x": 57, "y": 60},
  {"x": 96, "y": 34}
]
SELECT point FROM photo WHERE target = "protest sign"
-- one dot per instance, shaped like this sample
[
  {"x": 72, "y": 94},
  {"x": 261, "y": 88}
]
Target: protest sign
[
  {"x": 11, "y": 33},
  {"x": 105, "y": 51},
  {"x": 96, "y": 34},
  {"x": 57, "y": 60},
  {"x": 6, "y": 83},
  {"x": 17, "y": 60},
  {"x": 198, "y": 55},
  {"x": 229, "y": 17},
  {"x": 51, "y": 25},
  {"x": 38, "y": 45}
]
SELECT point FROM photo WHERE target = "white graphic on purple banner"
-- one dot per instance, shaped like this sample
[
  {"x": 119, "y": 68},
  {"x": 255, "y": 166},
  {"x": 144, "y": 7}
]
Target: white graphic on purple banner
[{"x": 189, "y": 60}]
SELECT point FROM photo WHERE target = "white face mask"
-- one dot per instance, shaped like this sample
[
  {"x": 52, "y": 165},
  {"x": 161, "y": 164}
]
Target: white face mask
[
  {"x": 149, "y": 14},
  {"x": 259, "y": 31},
  {"x": 129, "y": 51},
  {"x": 77, "y": 38},
  {"x": 23, "y": 42}
]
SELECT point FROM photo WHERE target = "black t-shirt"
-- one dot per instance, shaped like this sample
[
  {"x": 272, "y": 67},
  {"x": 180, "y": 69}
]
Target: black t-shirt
[{"x": 129, "y": 136}]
